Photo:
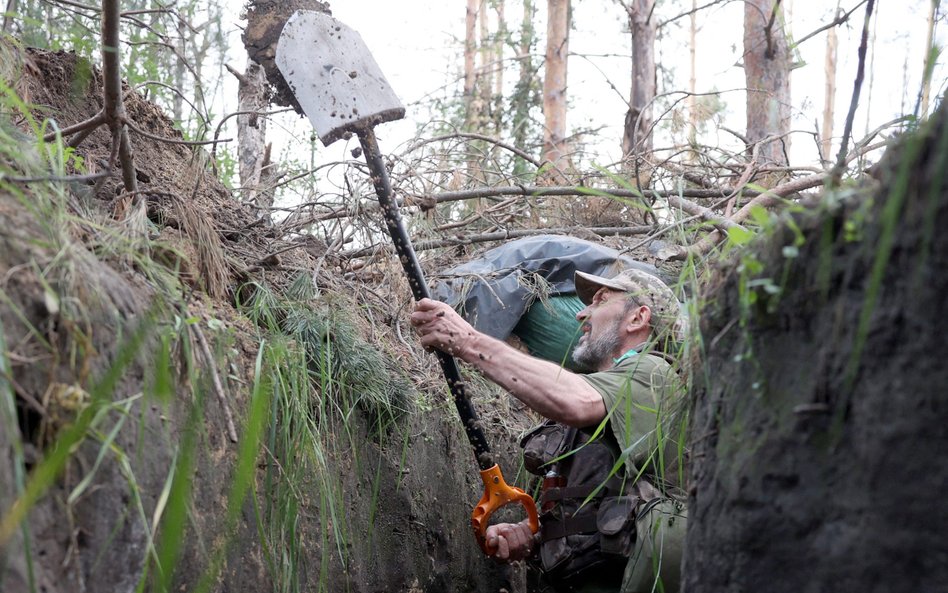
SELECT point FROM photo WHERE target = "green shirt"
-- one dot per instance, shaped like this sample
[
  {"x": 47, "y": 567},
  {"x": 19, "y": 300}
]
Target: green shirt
[{"x": 639, "y": 393}]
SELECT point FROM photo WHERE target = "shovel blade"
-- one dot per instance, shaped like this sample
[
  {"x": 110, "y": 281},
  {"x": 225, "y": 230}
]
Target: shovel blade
[{"x": 333, "y": 76}]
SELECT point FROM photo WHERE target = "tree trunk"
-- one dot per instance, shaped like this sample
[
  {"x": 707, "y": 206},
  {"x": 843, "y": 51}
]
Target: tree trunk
[
  {"x": 819, "y": 439},
  {"x": 554, "y": 84},
  {"x": 767, "y": 75},
  {"x": 637, "y": 137},
  {"x": 484, "y": 82},
  {"x": 470, "y": 53},
  {"x": 693, "y": 78},
  {"x": 497, "y": 108},
  {"x": 252, "y": 150},
  {"x": 929, "y": 58},
  {"x": 829, "y": 100},
  {"x": 524, "y": 94}
]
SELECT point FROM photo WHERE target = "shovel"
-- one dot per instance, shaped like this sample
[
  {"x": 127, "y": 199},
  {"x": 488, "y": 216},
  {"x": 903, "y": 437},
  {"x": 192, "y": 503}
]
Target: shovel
[{"x": 342, "y": 90}]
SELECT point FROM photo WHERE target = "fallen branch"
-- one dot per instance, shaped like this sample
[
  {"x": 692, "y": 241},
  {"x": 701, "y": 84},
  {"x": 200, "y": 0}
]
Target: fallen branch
[
  {"x": 764, "y": 200},
  {"x": 460, "y": 240},
  {"x": 91, "y": 123}
]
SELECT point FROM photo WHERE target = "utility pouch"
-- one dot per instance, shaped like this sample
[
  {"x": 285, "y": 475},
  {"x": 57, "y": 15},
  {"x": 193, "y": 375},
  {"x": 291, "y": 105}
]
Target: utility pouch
[
  {"x": 543, "y": 444},
  {"x": 615, "y": 522}
]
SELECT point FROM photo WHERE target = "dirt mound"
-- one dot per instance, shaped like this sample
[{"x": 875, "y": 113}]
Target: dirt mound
[{"x": 343, "y": 496}]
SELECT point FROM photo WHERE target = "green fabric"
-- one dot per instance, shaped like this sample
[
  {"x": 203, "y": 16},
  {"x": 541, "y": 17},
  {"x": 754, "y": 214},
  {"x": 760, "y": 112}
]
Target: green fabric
[
  {"x": 550, "y": 330},
  {"x": 659, "y": 544}
]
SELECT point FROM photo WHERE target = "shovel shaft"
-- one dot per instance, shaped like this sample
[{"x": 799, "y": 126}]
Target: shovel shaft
[{"x": 419, "y": 288}]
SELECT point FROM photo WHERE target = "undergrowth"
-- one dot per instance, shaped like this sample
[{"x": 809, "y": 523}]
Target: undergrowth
[{"x": 315, "y": 380}]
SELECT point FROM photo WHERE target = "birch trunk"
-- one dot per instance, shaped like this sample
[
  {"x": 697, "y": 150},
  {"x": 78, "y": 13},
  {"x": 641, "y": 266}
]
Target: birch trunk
[
  {"x": 252, "y": 153},
  {"x": 637, "y": 139},
  {"x": 554, "y": 84},
  {"x": 767, "y": 75}
]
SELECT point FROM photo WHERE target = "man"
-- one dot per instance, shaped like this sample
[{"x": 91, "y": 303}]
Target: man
[{"x": 623, "y": 407}]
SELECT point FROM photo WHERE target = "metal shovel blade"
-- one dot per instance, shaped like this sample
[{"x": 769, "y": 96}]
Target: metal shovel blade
[{"x": 333, "y": 76}]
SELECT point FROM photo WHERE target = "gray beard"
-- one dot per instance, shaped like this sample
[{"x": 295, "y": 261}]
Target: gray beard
[{"x": 592, "y": 353}]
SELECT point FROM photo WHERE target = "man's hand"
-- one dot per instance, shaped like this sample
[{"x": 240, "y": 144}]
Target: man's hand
[
  {"x": 440, "y": 327},
  {"x": 510, "y": 541}
]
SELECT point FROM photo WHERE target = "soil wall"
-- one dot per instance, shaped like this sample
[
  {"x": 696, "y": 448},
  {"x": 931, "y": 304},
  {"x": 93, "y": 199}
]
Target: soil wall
[{"x": 821, "y": 426}]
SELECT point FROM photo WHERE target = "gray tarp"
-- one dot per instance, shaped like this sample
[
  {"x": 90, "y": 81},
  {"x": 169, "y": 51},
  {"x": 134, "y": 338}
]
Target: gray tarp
[{"x": 495, "y": 290}]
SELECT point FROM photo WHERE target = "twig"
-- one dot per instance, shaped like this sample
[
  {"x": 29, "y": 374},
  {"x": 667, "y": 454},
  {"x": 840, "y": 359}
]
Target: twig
[
  {"x": 156, "y": 138},
  {"x": 841, "y": 18},
  {"x": 768, "y": 29},
  {"x": 215, "y": 378},
  {"x": 688, "y": 13},
  {"x": 472, "y": 136},
  {"x": 93, "y": 122},
  {"x": 234, "y": 114},
  {"x": 837, "y": 172}
]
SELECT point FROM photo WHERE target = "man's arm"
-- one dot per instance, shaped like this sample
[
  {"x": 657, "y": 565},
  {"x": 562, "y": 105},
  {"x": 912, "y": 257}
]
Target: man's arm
[{"x": 544, "y": 386}]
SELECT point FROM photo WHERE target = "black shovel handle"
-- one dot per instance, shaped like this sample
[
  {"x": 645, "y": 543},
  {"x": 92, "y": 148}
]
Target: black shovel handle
[{"x": 419, "y": 288}]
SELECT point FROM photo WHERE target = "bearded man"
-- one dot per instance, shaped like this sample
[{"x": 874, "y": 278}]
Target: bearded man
[{"x": 611, "y": 516}]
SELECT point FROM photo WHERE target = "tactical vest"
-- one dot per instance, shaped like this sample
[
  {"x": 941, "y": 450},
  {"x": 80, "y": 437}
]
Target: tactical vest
[{"x": 582, "y": 542}]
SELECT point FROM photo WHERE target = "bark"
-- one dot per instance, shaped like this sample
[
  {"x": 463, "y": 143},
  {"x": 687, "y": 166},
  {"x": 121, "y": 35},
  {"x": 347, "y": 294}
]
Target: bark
[
  {"x": 554, "y": 84},
  {"x": 252, "y": 150},
  {"x": 829, "y": 100},
  {"x": 637, "y": 139},
  {"x": 767, "y": 76}
]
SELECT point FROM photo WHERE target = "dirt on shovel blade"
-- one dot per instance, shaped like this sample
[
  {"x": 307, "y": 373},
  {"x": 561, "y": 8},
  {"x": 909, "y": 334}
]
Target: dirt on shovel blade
[{"x": 265, "y": 20}]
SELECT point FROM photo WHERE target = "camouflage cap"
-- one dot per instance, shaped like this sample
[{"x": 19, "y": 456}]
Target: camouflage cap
[{"x": 645, "y": 289}]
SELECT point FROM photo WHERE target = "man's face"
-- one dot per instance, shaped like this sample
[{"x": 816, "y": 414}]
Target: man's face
[{"x": 601, "y": 321}]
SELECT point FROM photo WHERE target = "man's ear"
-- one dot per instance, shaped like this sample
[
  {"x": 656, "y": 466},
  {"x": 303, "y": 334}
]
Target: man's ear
[{"x": 638, "y": 318}]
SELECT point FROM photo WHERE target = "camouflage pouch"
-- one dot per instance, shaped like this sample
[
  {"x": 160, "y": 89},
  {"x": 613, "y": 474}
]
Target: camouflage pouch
[
  {"x": 543, "y": 444},
  {"x": 616, "y": 524}
]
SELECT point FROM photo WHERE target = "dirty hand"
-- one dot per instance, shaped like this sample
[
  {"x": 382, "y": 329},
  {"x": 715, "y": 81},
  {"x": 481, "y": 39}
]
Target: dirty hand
[
  {"x": 510, "y": 541},
  {"x": 440, "y": 327}
]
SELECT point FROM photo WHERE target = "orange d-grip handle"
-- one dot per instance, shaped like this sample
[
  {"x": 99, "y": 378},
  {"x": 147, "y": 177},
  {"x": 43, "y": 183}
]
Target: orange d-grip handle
[{"x": 497, "y": 494}]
